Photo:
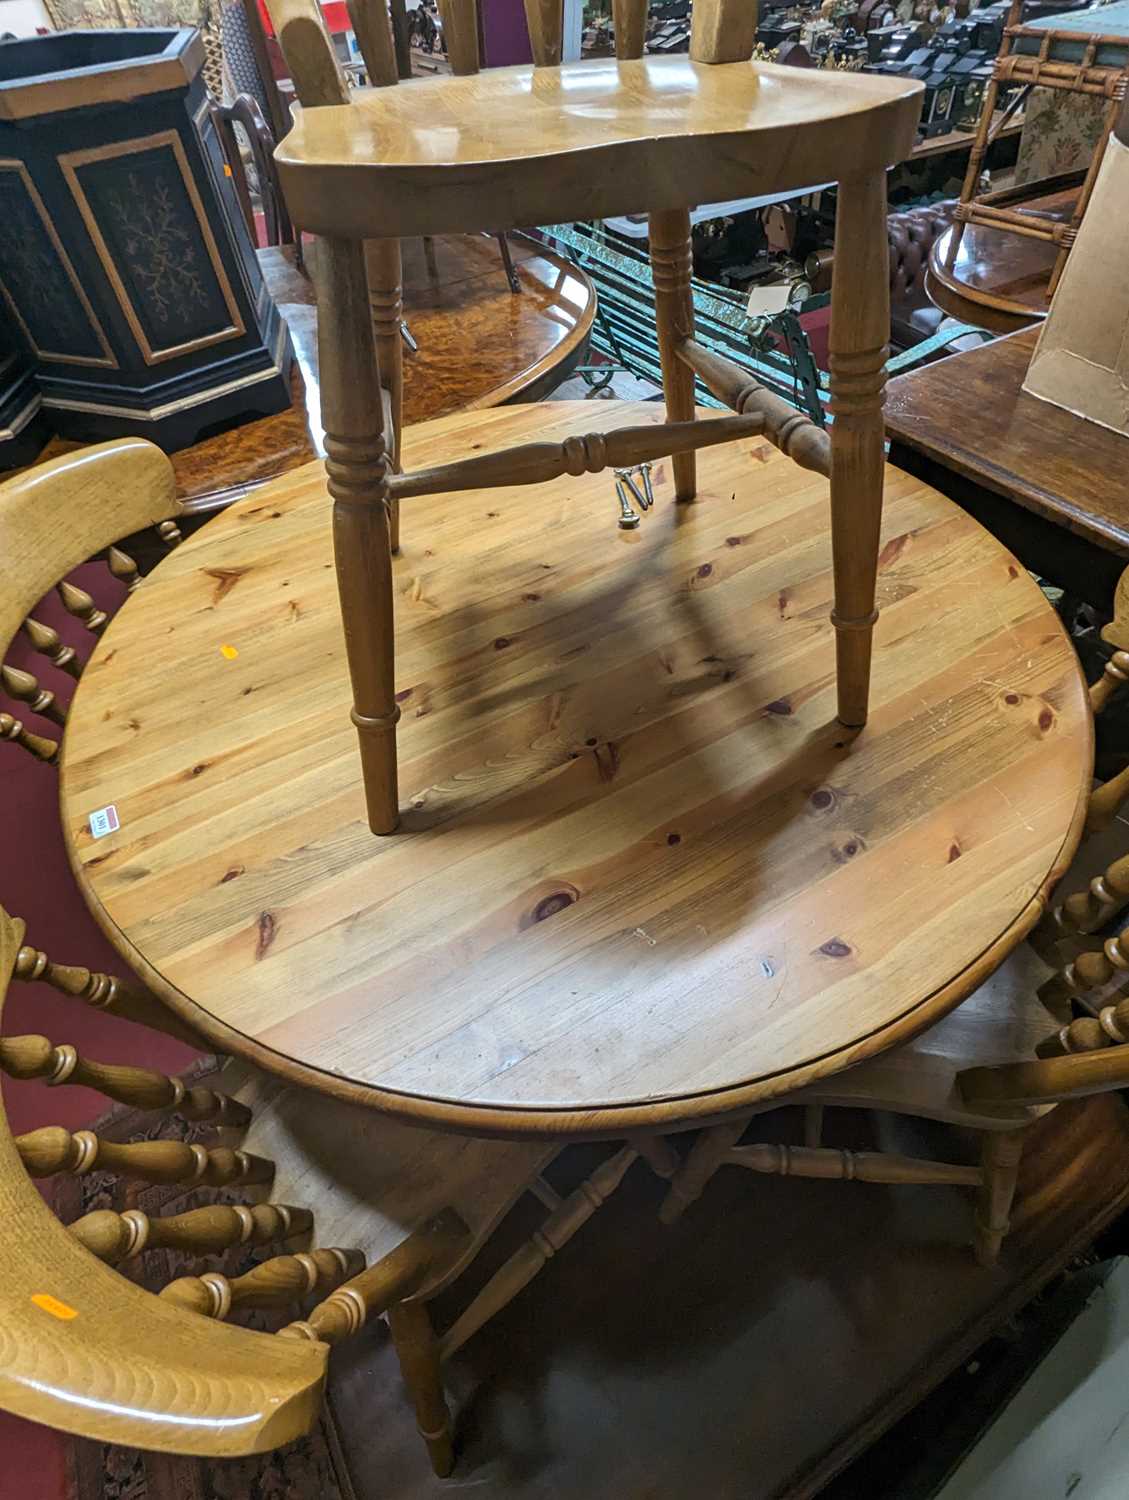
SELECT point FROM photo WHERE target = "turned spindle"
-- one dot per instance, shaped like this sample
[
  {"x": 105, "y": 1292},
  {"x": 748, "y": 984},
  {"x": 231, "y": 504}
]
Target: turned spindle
[
  {"x": 1109, "y": 1028},
  {"x": 708, "y": 1153},
  {"x": 54, "y": 1149},
  {"x": 78, "y": 602},
  {"x": 722, "y": 31},
  {"x": 1115, "y": 673},
  {"x": 28, "y": 1057},
  {"x": 25, "y": 688},
  {"x": 123, "y": 568},
  {"x": 1086, "y": 911},
  {"x": 118, "y": 997},
  {"x": 114, "y": 1237},
  {"x": 273, "y": 1283},
  {"x": 35, "y": 744},
  {"x": 397, "y": 1275},
  {"x": 1106, "y": 800},
  {"x": 525, "y": 1263},
  {"x": 860, "y": 327},
  {"x": 460, "y": 34},
  {"x": 544, "y": 19},
  {"x": 629, "y": 22},
  {"x": 46, "y": 642},
  {"x": 356, "y": 468}
]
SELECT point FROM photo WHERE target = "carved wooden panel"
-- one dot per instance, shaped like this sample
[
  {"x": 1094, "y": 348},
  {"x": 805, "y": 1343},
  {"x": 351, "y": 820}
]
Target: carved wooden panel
[
  {"x": 149, "y": 228},
  {"x": 38, "y": 280}
]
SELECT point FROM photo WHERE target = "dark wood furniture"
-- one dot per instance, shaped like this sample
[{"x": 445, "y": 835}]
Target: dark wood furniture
[
  {"x": 125, "y": 262},
  {"x": 524, "y": 346},
  {"x": 1042, "y": 480},
  {"x": 995, "y": 277}
]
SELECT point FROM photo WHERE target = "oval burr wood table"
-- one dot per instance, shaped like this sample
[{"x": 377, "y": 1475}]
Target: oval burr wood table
[{"x": 643, "y": 877}]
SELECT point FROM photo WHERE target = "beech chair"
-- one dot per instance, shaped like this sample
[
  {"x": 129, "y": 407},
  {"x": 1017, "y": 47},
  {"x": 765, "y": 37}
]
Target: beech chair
[
  {"x": 416, "y": 1205},
  {"x": 514, "y": 146},
  {"x": 85, "y": 1350}
]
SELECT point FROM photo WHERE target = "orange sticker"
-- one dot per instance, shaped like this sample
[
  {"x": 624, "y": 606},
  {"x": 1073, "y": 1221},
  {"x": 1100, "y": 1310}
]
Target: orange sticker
[
  {"x": 227, "y": 172},
  {"x": 229, "y": 652},
  {"x": 53, "y": 1306}
]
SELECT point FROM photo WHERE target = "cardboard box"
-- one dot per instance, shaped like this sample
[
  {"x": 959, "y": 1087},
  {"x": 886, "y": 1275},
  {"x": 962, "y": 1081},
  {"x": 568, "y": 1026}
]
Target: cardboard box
[{"x": 1081, "y": 361}]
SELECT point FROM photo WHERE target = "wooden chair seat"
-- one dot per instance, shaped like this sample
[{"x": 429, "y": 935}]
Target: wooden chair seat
[
  {"x": 374, "y": 1181},
  {"x": 518, "y": 145},
  {"x": 1001, "y": 1022}
]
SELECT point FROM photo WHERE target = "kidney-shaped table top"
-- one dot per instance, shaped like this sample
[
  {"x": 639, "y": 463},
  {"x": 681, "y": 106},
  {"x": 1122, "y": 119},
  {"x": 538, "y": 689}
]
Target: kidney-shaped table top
[{"x": 643, "y": 875}]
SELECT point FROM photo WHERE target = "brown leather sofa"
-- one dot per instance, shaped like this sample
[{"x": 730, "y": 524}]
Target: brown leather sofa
[{"x": 913, "y": 318}]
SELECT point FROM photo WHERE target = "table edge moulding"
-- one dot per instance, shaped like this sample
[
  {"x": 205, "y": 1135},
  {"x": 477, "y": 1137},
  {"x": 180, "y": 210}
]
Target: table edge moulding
[{"x": 930, "y": 562}]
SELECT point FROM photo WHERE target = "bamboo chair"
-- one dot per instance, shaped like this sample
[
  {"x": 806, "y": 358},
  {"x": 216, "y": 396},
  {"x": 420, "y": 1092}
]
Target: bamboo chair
[
  {"x": 116, "y": 1363},
  {"x": 517, "y": 146}
]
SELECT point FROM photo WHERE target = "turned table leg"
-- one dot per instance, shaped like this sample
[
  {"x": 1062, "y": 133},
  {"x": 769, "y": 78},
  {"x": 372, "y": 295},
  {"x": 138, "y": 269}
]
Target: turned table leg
[
  {"x": 672, "y": 266},
  {"x": 357, "y": 468},
  {"x": 860, "y": 327}
]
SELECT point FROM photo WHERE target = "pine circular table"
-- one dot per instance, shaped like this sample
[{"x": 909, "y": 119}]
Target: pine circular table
[{"x": 643, "y": 877}]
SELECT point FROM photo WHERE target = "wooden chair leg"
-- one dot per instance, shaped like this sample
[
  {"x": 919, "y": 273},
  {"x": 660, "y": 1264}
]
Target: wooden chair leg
[
  {"x": 418, "y": 1353},
  {"x": 710, "y": 1150},
  {"x": 356, "y": 466},
  {"x": 860, "y": 327},
  {"x": 672, "y": 266},
  {"x": 385, "y": 283},
  {"x": 508, "y": 262},
  {"x": 1000, "y": 1155},
  {"x": 813, "y": 1124}
]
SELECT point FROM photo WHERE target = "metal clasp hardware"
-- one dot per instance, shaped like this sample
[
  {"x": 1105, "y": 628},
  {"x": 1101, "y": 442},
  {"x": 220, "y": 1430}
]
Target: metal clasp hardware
[{"x": 644, "y": 498}]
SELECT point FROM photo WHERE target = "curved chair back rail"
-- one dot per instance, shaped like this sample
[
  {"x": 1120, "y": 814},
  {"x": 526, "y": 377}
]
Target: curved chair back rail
[
  {"x": 61, "y": 513},
  {"x": 84, "y": 1349}
]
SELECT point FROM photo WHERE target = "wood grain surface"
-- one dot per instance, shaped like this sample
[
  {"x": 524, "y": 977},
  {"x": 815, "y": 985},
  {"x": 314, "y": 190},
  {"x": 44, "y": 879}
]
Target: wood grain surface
[
  {"x": 643, "y": 876},
  {"x": 518, "y": 146},
  {"x": 971, "y": 414}
]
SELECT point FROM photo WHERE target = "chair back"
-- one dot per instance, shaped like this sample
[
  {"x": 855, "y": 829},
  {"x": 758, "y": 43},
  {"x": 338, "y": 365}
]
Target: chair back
[
  {"x": 86, "y": 1350},
  {"x": 1087, "y": 1056},
  {"x": 722, "y": 31},
  {"x": 245, "y": 112},
  {"x": 54, "y": 517}
]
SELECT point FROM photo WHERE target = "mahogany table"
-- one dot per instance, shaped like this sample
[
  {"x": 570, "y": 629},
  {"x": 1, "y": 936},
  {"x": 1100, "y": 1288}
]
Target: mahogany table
[
  {"x": 997, "y": 279},
  {"x": 1047, "y": 483},
  {"x": 644, "y": 877}
]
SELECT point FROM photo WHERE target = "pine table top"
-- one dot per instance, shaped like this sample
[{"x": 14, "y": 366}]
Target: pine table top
[{"x": 643, "y": 875}]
